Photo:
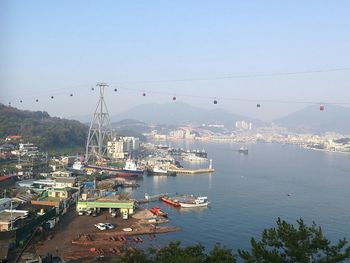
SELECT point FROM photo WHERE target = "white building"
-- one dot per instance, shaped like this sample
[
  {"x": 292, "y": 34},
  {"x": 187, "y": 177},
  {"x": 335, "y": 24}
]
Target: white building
[{"x": 122, "y": 147}]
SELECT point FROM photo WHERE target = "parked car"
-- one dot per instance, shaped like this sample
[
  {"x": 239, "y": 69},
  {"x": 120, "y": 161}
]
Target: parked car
[
  {"x": 114, "y": 213},
  {"x": 81, "y": 212},
  {"x": 109, "y": 225},
  {"x": 125, "y": 216},
  {"x": 89, "y": 212},
  {"x": 94, "y": 213},
  {"x": 101, "y": 226}
]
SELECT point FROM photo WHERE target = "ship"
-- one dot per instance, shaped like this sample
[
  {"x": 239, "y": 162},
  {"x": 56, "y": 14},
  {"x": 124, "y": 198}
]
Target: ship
[
  {"x": 200, "y": 201},
  {"x": 130, "y": 169},
  {"x": 170, "y": 201},
  {"x": 158, "y": 171},
  {"x": 243, "y": 150}
]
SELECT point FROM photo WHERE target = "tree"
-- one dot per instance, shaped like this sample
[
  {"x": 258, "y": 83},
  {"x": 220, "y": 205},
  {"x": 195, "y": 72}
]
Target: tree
[{"x": 288, "y": 243}]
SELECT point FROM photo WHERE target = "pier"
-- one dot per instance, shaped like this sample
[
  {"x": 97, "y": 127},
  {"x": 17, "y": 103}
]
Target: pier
[{"x": 192, "y": 171}]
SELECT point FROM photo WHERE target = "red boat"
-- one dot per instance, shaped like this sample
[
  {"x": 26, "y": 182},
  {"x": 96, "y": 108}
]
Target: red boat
[
  {"x": 170, "y": 201},
  {"x": 156, "y": 211}
]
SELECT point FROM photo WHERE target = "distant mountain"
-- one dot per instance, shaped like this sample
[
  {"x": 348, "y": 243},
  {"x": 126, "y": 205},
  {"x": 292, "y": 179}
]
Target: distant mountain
[
  {"x": 180, "y": 113},
  {"x": 42, "y": 129},
  {"x": 131, "y": 127},
  {"x": 334, "y": 118}
]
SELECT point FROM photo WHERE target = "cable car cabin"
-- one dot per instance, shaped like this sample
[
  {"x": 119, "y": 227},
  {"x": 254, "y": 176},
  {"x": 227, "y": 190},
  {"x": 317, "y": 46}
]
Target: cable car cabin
[
  {"x": 143, "y": 94},
  {"x": 321, "y": 107},
  {"x": 215, "y": 102},
  {"x": 174, "y": 98},
  {"x": 258, "y": 105}
]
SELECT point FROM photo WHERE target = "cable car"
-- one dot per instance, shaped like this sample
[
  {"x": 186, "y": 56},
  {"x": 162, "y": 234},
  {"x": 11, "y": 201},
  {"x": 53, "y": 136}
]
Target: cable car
[
  {"x": 144, "y": 94},
  {"x": 115, "y": 90},
  {"x": 51, "y": 97},
  {"x": 36, "y": 100},
  {"x": 321, "y": 107},
  {"x": 9, "y": 102},
  {"x": 174, "y": 98},
  {"x": 71, "y": 94},
  {"x": 20, "y": 101},
  {"x": 258, "y": 105},
  {"x": 215, "y": 102},
  {"x": 92, "y": 89}
]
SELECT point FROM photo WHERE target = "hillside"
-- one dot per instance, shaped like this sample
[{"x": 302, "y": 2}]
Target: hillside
[
  {"x": 41, "y": 129},
  {"x": 334, "y": 118},
  {"x": 179, "y": 113}
]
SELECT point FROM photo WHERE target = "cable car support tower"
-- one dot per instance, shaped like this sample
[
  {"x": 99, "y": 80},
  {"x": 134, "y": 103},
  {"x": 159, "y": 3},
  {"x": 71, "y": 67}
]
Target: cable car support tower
[{"x": 100, "y": 130}]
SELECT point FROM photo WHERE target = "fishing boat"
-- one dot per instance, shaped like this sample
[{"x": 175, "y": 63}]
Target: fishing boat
[
  {"x": 200, "y": 201},
  {"x": 243, "y": 150},
  {"x": 170, "y": 201},
  {"x": 157, "y": 170},
  {"x": 156, "y": 211}
]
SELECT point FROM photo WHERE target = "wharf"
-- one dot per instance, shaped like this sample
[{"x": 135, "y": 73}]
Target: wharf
[{"x": 192, "y": 171}]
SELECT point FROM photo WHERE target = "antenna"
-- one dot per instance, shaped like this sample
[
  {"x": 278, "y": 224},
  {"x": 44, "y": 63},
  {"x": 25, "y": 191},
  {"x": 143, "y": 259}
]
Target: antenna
[{"x": 100, "y": 130}]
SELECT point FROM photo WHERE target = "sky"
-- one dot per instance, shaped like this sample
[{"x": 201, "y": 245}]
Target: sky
[{"x": 238, "y": 52}]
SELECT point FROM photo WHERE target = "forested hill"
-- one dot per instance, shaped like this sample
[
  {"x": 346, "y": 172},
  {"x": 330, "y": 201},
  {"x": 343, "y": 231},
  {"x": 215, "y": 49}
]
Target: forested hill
[{"x": 42, "y": 129}]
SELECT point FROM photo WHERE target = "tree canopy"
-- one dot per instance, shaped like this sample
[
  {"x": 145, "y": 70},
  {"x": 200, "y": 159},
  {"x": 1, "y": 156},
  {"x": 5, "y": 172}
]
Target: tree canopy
[{"x": 287, "y": 243}]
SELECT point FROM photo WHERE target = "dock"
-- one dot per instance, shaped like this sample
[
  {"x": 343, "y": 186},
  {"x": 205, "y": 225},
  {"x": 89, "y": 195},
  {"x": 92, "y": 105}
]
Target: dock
[{"x": 192, "y": 171}]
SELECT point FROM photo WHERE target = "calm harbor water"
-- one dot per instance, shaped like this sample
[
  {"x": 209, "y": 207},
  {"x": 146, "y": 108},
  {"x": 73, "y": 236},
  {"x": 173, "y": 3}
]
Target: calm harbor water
[{"x": 249, "y": 192}]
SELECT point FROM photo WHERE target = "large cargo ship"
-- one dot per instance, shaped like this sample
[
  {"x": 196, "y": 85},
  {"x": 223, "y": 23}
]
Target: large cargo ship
[{"x": 130, "y": 169}]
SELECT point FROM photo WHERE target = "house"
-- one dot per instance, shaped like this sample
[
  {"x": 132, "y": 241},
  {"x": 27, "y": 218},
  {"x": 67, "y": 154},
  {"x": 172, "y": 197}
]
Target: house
[
  {"x": 9, "y": 219},
  {"x": 62, "y": 193},
  {"x": 62, "y": 182}
]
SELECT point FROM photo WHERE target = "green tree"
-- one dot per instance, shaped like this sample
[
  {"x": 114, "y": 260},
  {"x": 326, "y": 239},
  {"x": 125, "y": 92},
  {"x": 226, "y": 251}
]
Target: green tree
[{"x": 289, "y": 243}]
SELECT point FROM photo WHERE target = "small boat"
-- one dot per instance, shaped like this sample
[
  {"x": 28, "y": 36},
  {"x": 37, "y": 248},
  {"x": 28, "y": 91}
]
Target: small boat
[
  {"x": 156, "y": 211},
  {"x": 200, "y": 201},
  {"x": 243, "y": 150},
  {"x": 170, "y": 201}
]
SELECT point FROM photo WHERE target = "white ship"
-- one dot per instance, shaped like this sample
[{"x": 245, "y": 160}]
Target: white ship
[{"x": 200, "y": 201}]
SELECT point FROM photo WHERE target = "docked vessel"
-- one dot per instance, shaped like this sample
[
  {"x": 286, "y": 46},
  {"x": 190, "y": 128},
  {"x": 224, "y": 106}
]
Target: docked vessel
[
  {"x": 130, "y": 169},
  {"x": 200, "y": 201},
  {"x": 157, "y": 170},
  {"x": 194, "y": 158},
  {"x": 170, "y": 201}
]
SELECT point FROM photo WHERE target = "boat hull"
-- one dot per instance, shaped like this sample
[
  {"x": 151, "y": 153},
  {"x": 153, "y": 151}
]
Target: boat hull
[
  {"x": 170, "y": 202},
  {"x": 188, "y": 205},
  {"x": 151, "y": 173}
]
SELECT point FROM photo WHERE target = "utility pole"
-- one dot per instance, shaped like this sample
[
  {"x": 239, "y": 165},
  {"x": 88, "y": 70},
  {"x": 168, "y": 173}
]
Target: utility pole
[{"x": 100, "y": 130}]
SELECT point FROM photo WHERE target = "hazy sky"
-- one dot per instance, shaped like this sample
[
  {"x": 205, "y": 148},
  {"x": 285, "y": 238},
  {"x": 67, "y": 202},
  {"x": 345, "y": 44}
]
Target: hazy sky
[{"x": 61, "y": 47}]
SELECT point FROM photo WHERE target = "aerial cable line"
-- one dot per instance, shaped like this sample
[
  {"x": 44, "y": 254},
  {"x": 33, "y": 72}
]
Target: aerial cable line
[{"x": 239, "y": 76}]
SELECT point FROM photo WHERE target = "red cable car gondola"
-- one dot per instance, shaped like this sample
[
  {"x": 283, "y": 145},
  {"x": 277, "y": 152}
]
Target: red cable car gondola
[{"x": 321, "y": 107}]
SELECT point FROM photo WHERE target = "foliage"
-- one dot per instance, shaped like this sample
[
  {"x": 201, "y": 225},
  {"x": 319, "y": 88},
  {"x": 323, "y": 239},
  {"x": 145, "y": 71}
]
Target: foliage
[
  {"x": 38, "y": 127},
  {"x": 285, "y": 244},
  {"x": 174, "y": 253},
  {"x": 288, "y": 243}
]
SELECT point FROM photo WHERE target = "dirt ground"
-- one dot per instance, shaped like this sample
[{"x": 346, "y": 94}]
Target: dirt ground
[{"x": 76, "y": 237}]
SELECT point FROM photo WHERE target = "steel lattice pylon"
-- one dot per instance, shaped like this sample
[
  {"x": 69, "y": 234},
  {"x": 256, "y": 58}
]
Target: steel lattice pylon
[{"x": 100, "y": 130}]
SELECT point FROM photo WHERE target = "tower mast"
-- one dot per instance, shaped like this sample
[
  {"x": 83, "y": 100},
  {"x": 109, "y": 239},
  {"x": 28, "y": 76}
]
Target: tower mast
[{"x": 100, "y": 130}]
